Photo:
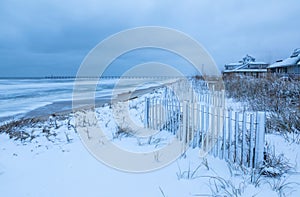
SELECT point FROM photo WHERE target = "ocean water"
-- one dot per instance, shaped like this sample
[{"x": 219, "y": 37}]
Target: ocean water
[{"x": 19, "y": 97}]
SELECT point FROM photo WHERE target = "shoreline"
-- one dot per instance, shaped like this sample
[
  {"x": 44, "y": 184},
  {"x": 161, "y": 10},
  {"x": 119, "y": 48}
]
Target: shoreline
[{"x": 60, "y": 108}]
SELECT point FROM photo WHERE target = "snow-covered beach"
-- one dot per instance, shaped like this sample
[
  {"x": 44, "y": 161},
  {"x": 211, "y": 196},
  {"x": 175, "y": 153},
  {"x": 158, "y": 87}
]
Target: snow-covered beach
[
  {"x": 23, "y": 98},
  {"x": 47, "y": 158},
  {"x": 149, "y": 98}
]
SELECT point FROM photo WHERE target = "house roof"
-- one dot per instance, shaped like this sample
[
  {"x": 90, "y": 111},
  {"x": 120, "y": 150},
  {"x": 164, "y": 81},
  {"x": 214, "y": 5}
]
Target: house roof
[
  {"x": 244, "y": 65},
  {"x": 234, "y": 64},
  {"x": 291, "y": 61},
  {"x": 246, "y": 70},
  {"x": 258, "y": 63}
]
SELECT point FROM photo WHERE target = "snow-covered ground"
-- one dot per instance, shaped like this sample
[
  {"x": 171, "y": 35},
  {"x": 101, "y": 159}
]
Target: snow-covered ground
[{"x": 54, "y": 162}]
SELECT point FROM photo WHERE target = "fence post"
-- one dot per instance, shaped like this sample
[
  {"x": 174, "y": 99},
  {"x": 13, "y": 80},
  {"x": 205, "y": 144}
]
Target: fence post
[
  {"x": 202, "y": 126},
  {"x": 181, "y": 123},
  {"x": 177, "y": 107},
  {"x": 223, "y": 98},
  {"x": 260, "y": 138},
  {"x": 244, "y": 148},
  {"x": 155, "y": 113},
  {"x": 170, "y": 114},
  {"x": 188, "y": 133},
  {"x": 236, "y": 137},
  {"x": 251, "y": 142},
  {"x": 217, "y": 98},
  {"x": 146, "y": 118},
  {"x": 192, "y": 121},
  {"x": 150, "y": 114},
  {"x": 161, "y": 110},
  {"x": 218, "y": 130},
  {"x": 229, "y": 135},
  {"x": 224, "y": 136},
  {"x": 184, "y": 124},
  {"x": 207, "y": 128},
  {"x": 213, "y": 128},
  {"x": 166, "y": 110},
  {"x": 198, "y": 125}
]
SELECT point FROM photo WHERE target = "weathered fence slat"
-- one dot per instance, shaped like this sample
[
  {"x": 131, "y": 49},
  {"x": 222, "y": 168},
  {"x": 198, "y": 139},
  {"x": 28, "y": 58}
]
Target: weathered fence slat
[
  {"x": 243, "y": 149},
  {"x": 260, "y": 136},
  {"x": 236, "y": 137},
  {"x": 146, "y": 117},
  {"x": 218, "y": 131},
  {"x": 251, "y": 141},
  {"x": 230, "y": 135},
  {"x": 224, "y": 136},
  {"x": 202, "y": 121},
  {"x": 202, "y": 126}
]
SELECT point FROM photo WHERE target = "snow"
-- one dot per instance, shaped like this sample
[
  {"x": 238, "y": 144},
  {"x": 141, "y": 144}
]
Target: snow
[
  {"x": 56, "y": 163},
  {"x": 286, "y": 62},
  {"x": 67, "y": 169},
  {"x": 234, "y": 64},
  {"x": 258, "y": 63},
  {"x": 241, "y": 66},
  {"x": 247, "y": 70}
]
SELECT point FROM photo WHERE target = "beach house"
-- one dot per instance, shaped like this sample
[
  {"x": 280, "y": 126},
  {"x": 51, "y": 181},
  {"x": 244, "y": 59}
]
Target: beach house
[
  {"x": 289, "y": 66},
  {"x": 247, "y": 66}
]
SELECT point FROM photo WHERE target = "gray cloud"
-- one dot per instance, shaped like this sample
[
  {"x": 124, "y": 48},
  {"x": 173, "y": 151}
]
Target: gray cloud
[{"x": 52, "y": 37}]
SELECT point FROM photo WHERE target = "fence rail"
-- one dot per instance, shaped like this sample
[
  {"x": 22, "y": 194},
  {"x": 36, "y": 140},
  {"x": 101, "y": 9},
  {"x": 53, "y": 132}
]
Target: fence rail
[{"x": 201, "y": 121}]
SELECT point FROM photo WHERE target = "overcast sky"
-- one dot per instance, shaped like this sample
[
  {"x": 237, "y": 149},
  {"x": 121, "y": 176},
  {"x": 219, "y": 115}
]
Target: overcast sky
[{"x": 51, "y": 37}]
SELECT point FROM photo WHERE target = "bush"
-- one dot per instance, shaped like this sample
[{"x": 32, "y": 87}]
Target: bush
[
  {"x": 274, "y": 165},
  {"x": 279, "y": 98}
]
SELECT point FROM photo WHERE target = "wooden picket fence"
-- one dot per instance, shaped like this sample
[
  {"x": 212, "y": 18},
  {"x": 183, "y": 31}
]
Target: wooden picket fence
[{"x": 203, "y": 122}]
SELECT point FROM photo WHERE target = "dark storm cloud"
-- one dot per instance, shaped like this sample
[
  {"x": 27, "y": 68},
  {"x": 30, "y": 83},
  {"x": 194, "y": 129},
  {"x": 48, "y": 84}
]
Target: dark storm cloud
[{"x": 52, "y": 37}]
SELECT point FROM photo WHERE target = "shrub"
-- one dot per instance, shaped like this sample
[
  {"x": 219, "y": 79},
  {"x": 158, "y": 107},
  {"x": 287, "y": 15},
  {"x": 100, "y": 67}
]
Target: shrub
[{"x": 279, "y": 98}]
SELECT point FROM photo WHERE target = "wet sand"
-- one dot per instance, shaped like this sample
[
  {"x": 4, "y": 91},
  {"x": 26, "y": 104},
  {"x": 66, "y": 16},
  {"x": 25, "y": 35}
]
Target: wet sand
[{"x": 65, "y": 107}]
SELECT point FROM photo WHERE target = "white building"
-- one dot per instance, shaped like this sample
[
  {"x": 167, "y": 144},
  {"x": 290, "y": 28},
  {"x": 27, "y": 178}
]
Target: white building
[
  {"x": 290, "y": 65},
  {"x": 247, "y": 66}
]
